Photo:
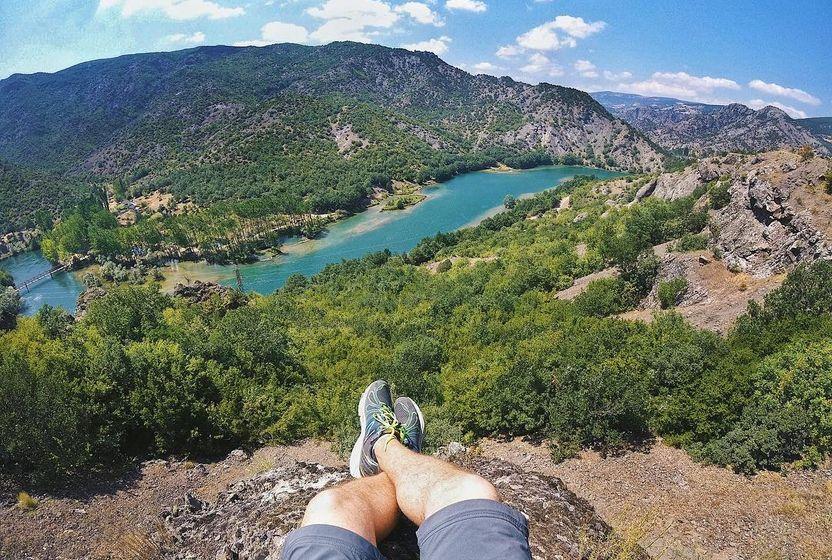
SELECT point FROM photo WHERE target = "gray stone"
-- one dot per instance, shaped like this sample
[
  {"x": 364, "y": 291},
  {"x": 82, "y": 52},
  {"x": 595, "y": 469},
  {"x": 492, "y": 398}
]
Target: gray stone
[{"x": 250, "y": 520}]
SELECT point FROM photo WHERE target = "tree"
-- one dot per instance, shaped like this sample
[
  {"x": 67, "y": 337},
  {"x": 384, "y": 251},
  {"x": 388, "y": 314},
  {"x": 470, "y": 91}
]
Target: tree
[
  {"x": 10, "y": 306},
  {"x": 6, "y": 280}
]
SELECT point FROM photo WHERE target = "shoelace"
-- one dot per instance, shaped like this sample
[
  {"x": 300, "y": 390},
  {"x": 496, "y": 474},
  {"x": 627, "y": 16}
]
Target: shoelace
[{"x": 391, "y": 426}]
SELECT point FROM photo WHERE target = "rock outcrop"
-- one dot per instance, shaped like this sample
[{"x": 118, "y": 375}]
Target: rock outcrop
[
  {"x": 778, "y": 215},
  {"x": 251, "y": 519},
  {"x": 773, "y": 221},
  {"x": 86, "y": 298},
  {"x": 201, "y": 292}
]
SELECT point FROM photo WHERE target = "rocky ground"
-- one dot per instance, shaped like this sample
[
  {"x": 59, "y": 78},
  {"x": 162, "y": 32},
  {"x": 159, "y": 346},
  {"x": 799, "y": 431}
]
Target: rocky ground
[
  {"x": 779, "y": 215},
  {"x": 675, "y": 508},
  {"x": 687, "y": 511},
  {"x": 715, "y": 296},
  {"x": 243, "y": 506}
]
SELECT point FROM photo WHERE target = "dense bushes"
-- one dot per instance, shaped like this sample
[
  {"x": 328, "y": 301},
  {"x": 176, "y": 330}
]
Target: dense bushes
[
  {"x": 10, "y": 306},
  {"x": 142, "y": 374},
  {"x": 6, "y": 280},
  {"x": 720, "y": 195}
]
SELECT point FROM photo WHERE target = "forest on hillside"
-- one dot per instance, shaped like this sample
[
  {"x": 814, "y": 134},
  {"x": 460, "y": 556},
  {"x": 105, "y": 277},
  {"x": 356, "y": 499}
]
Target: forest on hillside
[{"x": 480, "y": 340}]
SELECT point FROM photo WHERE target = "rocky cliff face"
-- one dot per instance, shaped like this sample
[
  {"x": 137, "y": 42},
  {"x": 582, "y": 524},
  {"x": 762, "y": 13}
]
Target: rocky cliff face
[
  {"x": 251, "y": 519},
  {"x": 702, "y": 129},
  {"x": 779, "y": 211}
]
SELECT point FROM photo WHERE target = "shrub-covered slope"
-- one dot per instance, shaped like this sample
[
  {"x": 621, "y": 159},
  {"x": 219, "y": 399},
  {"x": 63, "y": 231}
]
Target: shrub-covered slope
[{"x": 484, "y": 343}]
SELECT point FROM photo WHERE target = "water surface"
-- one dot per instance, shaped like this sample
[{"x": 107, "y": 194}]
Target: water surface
[
  {"x": 60, "y": 291},
  {"x": 463, "y": 201}
]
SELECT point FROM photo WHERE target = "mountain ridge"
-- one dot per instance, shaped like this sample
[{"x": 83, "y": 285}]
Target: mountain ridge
[{"x": 702, "y": 129}]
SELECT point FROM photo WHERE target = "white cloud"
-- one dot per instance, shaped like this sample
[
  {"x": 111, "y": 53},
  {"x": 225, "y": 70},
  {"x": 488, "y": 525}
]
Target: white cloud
[
  {"x": 183, "y": 39},
  {"x": 563, "y": 31},
  {"x": 487, "y": 68},
  {"x": 348, "y": 20},
  {"x": 467, "y": 5},
  {"x": 540, "y": 64},
  {"x": 420, "y": 12},
  {"x": 544, "y": 38},
  {"x": 781, "y": 91},
  {"x": 791, "y": 111},
  {"x": 278, "y": 32},
  {"x": 438, "y": 46},
  {"x": 577, "y": 27},
  {"x": 617, "y": 76},
  {"x": 699, "y": 83},
  {"x": 680, "y": 85},
  {"x": 586, "y": 69},
  {"x": 173, "y": 9},
  {"x": 510, "y": 51}
]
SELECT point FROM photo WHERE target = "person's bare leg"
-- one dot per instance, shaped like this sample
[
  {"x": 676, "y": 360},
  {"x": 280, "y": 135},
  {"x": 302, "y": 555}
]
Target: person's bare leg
[
  {"x": 425, "y": 484},
  {"x": 366, "y": 506}
]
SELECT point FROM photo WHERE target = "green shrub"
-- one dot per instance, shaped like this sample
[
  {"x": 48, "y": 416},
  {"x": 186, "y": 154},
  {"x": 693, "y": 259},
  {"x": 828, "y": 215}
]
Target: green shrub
[
  {"x": 444, "y": 266},
  {"x": 42, "y": 427},
  {"x": 640, "y": 275},
  {"x": 599, "y": 392},
  {"x": 604, "y": 297},
  {"x": 720, "y": 195},
  {"x": 672, "y": 291},
  {"x": 6, "y": 280},
  {"x": 691, "y": 242},
  {"x": 10, "y": 306},
  {"x": 789, "y": 417}
]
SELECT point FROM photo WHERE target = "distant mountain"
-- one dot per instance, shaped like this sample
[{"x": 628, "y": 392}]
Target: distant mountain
[
  {"x": 819, "y": 126},
  {"x": 322, "y": 124},
  {"x": 699, "y": 129}
]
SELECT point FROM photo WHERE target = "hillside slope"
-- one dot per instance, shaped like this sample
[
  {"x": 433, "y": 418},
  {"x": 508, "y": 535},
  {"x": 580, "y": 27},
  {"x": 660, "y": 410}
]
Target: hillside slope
[
  {"x": 29, "y": 198},
  {"x": 322, "y": 124},
  {"x": 701, "y": 129},
  {"x": 819, "y": 126}
]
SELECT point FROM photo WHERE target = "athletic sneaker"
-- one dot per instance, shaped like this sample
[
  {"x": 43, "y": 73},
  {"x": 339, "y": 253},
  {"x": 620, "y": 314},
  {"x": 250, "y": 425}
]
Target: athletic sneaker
[
  {"x": 375, "y": 410},
  {"x": 412, "y": 431}
]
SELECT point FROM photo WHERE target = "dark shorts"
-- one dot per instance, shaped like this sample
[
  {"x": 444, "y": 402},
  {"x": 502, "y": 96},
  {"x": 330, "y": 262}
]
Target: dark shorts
[{"x": 469, "y": 530}]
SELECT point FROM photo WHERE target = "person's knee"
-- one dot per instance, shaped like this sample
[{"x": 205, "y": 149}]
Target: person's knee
[
  {"x": 326, "y": 505},
  {"x": 474, "y": 487}
]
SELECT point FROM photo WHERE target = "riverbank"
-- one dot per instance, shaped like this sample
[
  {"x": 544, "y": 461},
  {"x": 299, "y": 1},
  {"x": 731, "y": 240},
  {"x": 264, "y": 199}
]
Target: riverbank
[{"x": 460, "y": 202}]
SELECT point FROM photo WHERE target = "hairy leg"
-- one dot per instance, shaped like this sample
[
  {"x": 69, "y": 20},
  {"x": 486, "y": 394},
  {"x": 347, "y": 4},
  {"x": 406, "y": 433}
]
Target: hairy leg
[
  {"x": 425, "y": 484},
  {"x": 366, "y": 506}
]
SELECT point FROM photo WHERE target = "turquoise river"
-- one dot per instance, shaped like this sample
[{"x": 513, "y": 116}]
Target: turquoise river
[{"x": 460, "y": 202}]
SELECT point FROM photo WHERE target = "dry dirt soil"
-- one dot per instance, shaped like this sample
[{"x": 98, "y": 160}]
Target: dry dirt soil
[
  {"x": 115, "y": 520},
  {"x": 690, "y": 511}
]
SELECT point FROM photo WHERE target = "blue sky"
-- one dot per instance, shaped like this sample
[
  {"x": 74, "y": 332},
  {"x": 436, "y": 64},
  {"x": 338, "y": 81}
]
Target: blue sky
[{"x": 755, "y": 52}]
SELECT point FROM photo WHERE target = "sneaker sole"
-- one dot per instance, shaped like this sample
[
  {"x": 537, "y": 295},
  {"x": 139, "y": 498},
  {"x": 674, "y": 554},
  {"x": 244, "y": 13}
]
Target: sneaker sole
[
  {"x": 357, "y": 449},
  {"x": 421, "y": 421}
]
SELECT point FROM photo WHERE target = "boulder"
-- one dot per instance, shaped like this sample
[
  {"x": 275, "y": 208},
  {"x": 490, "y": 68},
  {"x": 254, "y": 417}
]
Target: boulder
[
  {"x": 201, "y": 292},
  {"x": 85, "y": 299},
  {"x": 250, "y": 519}
]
